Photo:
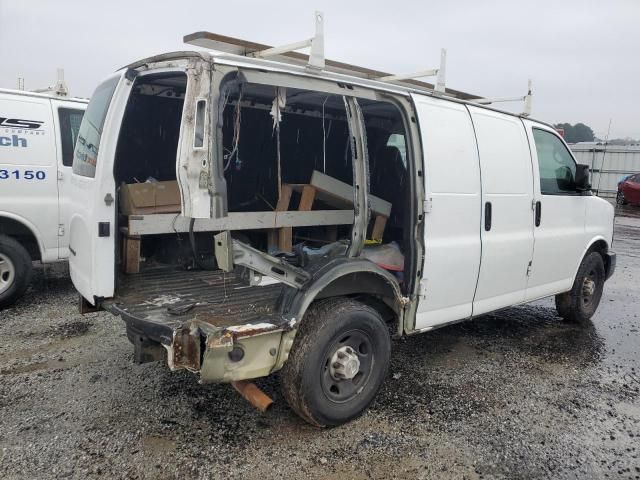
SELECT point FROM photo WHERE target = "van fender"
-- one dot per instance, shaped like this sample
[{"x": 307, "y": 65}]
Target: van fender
[
  {"x": 32, "y": 228},
  {"x": 597, "y": 243},
  {"x": 343, "y": 276}
]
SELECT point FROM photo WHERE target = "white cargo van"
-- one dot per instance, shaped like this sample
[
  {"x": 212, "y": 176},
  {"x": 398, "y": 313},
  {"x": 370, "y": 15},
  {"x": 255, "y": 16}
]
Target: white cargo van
[
  {"x": 37, "y": 136},
  {"x": 245, "y": 216}
]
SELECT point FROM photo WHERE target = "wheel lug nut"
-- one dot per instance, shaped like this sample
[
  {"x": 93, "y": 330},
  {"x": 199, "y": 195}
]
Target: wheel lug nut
[
  {"x": 341, "y": 355},
  {"x": 336, "y": 365}
]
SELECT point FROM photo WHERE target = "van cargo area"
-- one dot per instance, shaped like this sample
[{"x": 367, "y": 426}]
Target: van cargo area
[{"x": 288, "y": 161}]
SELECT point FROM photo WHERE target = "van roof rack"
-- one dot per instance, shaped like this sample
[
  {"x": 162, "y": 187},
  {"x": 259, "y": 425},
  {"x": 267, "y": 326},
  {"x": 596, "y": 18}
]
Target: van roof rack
[
  {"x": 524, "y": 98},
  {"x": 315, "y": 60},
  {"x": 58, "y": 89}
]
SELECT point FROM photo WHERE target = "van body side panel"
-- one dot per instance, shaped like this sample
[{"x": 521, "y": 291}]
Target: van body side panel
[
  {"x": 559, "y": 239},
  {"x": 452, "y": 220},
  {"x": 28, "y": 170},
  {"x": 507, "y": 185}
]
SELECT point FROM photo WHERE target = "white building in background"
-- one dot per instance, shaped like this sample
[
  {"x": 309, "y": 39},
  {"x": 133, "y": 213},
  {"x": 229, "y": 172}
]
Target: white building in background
[{"x": 608, "y": 163}]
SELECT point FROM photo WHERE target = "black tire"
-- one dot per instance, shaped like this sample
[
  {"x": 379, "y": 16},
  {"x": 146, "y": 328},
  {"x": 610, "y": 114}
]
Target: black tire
[
  {"x": 15, "y": 271},
  {"x": 309, "y": 383},
  {"x": 620, "y": 200},
  {"x": 580, "y": 303}
]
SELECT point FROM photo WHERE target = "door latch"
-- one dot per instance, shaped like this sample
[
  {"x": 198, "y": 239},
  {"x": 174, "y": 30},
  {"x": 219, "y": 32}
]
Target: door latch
[
  {"x": 108, "y": 199},
  {"x": 104, "y": 229}
]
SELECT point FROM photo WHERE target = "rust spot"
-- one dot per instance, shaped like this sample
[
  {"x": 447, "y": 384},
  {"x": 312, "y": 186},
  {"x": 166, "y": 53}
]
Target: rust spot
[
  {"x": 249, "y": 330},
  {"x": 186, "y": 349}
]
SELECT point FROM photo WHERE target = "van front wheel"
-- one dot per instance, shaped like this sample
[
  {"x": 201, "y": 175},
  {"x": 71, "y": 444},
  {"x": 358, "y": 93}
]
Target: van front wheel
[
  {"x": 15, "y": 270},
  {"x": 338, "y": 362},
  {"x": 580, "y": 303}
]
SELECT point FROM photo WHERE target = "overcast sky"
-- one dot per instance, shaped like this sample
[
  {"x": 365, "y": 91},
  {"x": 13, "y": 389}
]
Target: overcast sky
[{"x": 583, "y": 56}]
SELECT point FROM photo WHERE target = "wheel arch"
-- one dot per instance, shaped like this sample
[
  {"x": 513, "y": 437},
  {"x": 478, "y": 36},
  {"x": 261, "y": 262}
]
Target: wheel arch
[
  {"x": 21, "y": 229},
  {"x": 356, "y": 278},
  {"x": 347, "y": 278},
  {"x": 597, "y": 244}
]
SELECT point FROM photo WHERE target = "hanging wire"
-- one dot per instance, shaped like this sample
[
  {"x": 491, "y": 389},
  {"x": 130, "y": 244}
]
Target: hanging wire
[
  {"x": 324, "y": 140},
  {"x": 236, "y": 131}
]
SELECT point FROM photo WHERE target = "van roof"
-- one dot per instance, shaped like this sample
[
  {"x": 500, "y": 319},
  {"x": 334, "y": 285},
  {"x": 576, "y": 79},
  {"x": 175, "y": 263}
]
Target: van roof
[
  {"x": 24, "y": 93},
  {"x": 405, "y": 88}
]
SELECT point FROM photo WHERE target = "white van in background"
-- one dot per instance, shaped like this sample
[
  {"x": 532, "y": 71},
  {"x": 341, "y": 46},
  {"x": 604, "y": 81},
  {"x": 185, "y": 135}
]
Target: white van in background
[{"x": 37, "y": 137}]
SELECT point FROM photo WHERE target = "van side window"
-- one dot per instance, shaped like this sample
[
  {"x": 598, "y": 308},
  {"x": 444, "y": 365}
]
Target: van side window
[
  {"x": 70, "y": 119},
  {"x": 85, "y": 155},
  {"x": 557, "y": 166}
]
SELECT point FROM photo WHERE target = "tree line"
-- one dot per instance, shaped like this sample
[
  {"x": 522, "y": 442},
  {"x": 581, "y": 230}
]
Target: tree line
[{"x": 583, "y": 133}]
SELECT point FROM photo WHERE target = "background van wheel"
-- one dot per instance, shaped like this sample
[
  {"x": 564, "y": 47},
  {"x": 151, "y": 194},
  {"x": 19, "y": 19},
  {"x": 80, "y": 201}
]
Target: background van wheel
[
  {"x": 580, "y": 303},
  {"x": 15, "y": 270},
  {"x": 338, "y": 361}
]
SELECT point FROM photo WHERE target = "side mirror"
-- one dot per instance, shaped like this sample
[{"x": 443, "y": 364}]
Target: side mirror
[{"x": 582, "y": 178}]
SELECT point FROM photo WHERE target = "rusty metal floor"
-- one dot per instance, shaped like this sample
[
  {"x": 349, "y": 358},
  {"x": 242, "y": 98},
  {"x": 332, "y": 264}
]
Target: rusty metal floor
[{"x": 170, "y": 296}]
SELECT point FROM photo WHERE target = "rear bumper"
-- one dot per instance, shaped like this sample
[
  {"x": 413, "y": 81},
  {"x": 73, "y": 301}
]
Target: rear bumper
[
  {"x": 216, "y": 354},
  {"x": 609, "y": 264}
]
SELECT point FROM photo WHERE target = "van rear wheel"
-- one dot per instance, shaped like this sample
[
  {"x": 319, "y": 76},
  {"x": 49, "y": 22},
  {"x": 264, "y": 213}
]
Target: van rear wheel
[
  {"x": 338, "y": 361},
  {"x": 15, "y": 270},
  {"x": 580, "y": 303}
]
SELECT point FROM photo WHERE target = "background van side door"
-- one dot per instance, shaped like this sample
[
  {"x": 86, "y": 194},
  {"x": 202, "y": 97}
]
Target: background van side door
[
  {"x": 452, "y": 213},
  {"x": 507, "y": 196},
  {"x": 559, "y": 230},
  {"x": 67, "y": 117}
]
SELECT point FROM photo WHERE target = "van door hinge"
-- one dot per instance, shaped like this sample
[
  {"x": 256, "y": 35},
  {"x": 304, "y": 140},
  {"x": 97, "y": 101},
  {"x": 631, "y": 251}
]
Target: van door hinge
[
  {"x": 529, "y": 269},
  {"x": 61, "y": 230},
  {"x": 427, "y": 205},
  {"x": 108, "y": 199},
  {"x": 60, "y": 175},
  {"x": 533, "y": 204}
]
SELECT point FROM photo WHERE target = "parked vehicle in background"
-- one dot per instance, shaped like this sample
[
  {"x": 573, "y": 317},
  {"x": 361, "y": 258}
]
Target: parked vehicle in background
[
  {"x": 37, "y": 137},
  {"x": 629, "y": 190},
  {"x": 414, "y": 210}
]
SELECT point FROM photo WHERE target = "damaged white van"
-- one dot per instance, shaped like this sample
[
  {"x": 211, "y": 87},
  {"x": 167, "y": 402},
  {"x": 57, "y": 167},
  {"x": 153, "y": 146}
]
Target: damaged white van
[
  {"x": 245, "y": 216},
  {"x": 37, "y": 136}
]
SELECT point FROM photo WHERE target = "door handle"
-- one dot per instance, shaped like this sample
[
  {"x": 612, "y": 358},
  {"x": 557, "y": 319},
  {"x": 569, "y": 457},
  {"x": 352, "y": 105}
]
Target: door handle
[
  {"x": 538, "y": 213},
  {"x": 487, "y": 216}
]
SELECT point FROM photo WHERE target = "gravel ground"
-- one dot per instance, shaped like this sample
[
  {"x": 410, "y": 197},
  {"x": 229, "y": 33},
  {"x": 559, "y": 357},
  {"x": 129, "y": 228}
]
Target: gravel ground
[{"x": 515, "y": 394}]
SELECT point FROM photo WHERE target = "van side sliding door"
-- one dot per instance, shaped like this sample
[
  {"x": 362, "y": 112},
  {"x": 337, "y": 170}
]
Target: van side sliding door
[
  {"x": 507, "y": 214},
  {"x": 452, "y": 212}
]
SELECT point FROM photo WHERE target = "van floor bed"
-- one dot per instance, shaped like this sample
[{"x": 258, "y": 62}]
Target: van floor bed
[{"x": 171, "y": 296}]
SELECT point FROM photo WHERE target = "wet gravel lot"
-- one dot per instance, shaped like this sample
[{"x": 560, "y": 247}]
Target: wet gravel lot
[{"x": 516, "y": 394}]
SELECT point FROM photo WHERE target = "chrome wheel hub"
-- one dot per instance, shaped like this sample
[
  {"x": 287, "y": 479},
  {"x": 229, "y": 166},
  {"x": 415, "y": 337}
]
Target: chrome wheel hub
[
  {"x": 7, "y": 273},
  {"x": 344, "y": 364}
]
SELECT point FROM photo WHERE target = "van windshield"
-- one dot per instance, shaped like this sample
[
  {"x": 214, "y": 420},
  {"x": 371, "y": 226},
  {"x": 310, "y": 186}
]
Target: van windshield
[{"x": 86, "y": 152}]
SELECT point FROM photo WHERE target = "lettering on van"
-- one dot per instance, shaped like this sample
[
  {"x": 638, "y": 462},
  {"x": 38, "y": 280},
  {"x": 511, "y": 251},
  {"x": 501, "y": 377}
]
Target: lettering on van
[
  {"x": 14, "y": 130},
  {"x": 13, "y": 141},
  {"x": 19, "y": 123}
]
